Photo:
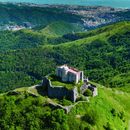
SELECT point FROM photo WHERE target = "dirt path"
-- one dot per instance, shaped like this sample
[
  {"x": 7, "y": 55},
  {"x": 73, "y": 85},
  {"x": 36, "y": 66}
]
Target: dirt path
[{"x": 66, "y": 108}]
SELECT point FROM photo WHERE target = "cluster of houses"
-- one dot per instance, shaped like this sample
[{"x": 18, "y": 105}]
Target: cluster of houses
[
  {"x": 15, "y": 27},
  {"x": 71, "y": 75}
]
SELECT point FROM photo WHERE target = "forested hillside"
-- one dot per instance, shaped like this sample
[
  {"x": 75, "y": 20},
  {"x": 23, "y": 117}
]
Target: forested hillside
[
  {"x": 27, "y": 38},
  {"x": 102, "y": 53},
  {"x": 19, "y": 13}
]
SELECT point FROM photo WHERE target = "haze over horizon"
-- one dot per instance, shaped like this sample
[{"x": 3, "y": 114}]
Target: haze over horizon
[{"x": 112, "y": 3}]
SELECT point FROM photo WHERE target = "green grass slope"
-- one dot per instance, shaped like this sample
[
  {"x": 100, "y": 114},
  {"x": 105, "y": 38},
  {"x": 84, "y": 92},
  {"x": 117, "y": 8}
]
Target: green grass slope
[
  {"x": 60, "y": 28},
  {"x": 110, "y": 110}
]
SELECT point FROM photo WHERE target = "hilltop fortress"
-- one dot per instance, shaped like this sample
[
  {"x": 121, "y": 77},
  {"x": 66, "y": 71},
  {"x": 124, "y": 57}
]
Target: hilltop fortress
[
  {"x": 67, "y": 82},
  {"x": 69, "y": 74}
]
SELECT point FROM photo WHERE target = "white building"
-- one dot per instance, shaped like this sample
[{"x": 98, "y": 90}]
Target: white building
[{"x": 69, "y": 74}]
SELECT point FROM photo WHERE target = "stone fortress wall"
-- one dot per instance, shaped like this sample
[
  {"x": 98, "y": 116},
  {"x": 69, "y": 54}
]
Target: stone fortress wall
[
  {"x": 68, "y": 74},
  {"x": 90, "y": 86},
  {"x": 59, "y": 91}
]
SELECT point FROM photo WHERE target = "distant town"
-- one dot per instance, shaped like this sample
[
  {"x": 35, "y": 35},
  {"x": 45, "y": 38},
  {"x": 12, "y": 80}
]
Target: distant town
[
  {"x": 90, "y": 16},
  {"x": 15, "y": 27}
]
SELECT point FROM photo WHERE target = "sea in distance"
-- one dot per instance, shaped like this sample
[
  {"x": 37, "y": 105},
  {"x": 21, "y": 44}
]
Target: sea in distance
[{"x": 111, "y": 3}]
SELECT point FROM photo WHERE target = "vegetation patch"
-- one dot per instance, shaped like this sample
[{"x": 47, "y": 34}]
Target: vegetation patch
[
  {"x": 103, "y": 112},
  {"x": 56, "y": 82}
]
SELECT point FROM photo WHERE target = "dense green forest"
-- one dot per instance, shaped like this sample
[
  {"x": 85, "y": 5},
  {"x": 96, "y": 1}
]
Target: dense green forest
[
  {"x": 50, "y": 34},
  {"x": 102, "y": 53},
  {"x": 19, "y": 13}
]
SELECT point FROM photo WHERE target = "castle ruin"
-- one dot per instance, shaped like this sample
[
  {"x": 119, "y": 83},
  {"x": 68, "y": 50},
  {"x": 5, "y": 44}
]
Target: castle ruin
[{"x": 68, "y": 74}]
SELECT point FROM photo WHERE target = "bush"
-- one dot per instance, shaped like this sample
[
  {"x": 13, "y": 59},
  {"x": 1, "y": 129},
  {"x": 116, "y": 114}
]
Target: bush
[
  {"x": 88, "y": 92},
  {"x": 121, "y": 115},
  {"x": 85, "y": 127},
  {"x": 113, "y": 112},
  {"x": 90, "y": 117},
  {"x": 108, "y": 126},
  {"x": 66, "y": 102}
]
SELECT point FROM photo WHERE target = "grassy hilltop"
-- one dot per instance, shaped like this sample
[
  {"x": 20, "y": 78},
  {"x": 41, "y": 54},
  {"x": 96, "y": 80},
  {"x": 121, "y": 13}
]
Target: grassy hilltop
[{"x": 107, "y": 111}]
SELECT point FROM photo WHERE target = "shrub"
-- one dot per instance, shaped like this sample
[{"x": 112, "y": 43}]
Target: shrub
[
  {"x": 108, "y": 126},
  {"x": 113, "y": 111},
  {"x": 88, "y": 92},
  {"x": 121, "y": 115},
  {"x": 66, "y": 102},
  {"x": 90, "y": 117}
]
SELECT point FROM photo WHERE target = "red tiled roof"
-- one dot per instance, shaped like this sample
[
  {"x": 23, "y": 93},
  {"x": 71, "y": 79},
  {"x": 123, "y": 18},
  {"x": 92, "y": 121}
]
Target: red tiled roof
[
  {"x": 74, "y": 69},
  {"x": 71, "y": 69}
]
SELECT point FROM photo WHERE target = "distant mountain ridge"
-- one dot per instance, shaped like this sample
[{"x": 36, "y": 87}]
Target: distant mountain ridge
[
  {"x": 12, "y": 14},
  {"x": 18, "y": 14}
]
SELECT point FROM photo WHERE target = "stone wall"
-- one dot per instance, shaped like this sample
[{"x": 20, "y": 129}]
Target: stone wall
[
  {"x": 59, "y": 91},
  {"x": 93, "y": 88},
  {"x": 95, "y": 92}
]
